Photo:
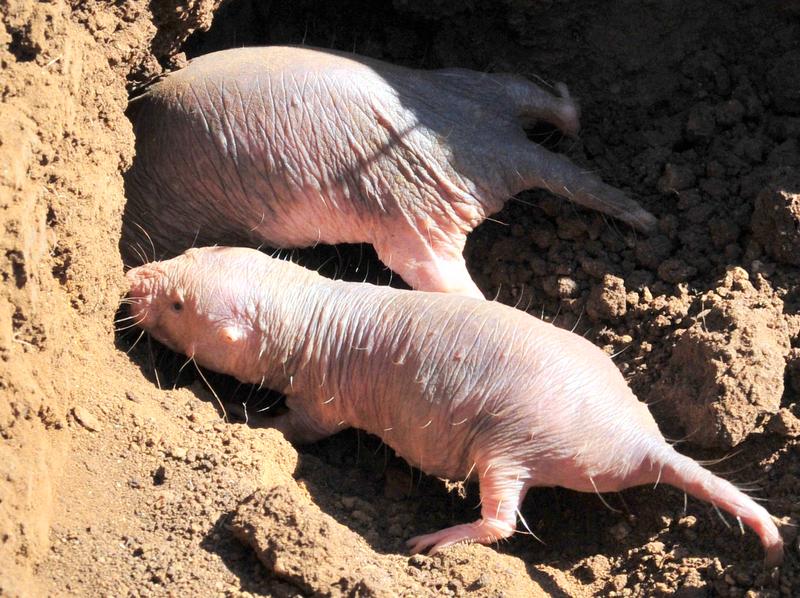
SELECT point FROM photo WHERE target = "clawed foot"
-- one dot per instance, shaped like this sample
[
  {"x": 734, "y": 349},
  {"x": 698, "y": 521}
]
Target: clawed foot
[{"x": 483, "y": 531}]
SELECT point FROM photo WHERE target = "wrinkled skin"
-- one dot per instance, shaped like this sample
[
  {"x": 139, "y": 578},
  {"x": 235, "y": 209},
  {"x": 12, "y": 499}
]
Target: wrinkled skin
[
  {"x": 294, "y": 146},
  {"x": 459, "y": 387}
]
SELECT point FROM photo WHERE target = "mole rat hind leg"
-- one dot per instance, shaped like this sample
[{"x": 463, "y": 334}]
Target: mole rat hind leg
[{"x": 502, "y": 489}]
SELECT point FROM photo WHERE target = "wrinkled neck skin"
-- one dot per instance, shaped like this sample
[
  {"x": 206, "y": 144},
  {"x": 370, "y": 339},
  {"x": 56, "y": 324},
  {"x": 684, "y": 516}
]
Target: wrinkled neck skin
[
  {"x": 300, "y": 321},
  {"x": 276, "y": 319}
]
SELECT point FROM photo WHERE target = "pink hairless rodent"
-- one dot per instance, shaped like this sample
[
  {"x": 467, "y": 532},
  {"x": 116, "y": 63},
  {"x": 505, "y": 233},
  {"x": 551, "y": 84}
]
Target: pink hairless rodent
[
  {"x": 297, "y": 146},
  {"x": 457, "y": 386}
]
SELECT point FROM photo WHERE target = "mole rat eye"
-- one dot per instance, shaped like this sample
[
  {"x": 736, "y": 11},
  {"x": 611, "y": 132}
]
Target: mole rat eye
[{"x": 177, "y": 306}]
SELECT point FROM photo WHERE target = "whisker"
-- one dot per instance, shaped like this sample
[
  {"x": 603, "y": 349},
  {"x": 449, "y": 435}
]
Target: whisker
[
  {"x": 185, "y": 363},
  {"x": 149, "y": 239},
  {"x": 578, "y": 321},
  {"x": 134, "y": 325},
  {"x": 267, "y": 408},
  {"x": 600, "y": 496},
  {"x": 523, "y": 201},
  {"x": 558, "y": 311},
  {"x": 525, "y": 523},
  {"x": 725, "y": 521},
  {"x": 336, "y": 273},
  {"x": 325, "y": 263},
  {"x": 707, "y": 462},
  {"x": 497, "y": 295},
  {"x": 152, "y": 363},
  {"x": 137, "y": 250},
  {"x": 136, "y": 342},
  {"x": 211, "y": 388},
  {"x": 621, "y": 351},
  {"x": 120, "y": 320},
  {"x": 196, "y": 235}
]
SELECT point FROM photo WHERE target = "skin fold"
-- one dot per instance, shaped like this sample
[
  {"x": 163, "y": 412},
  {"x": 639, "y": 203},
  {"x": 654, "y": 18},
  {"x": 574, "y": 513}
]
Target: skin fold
[
  {"x": 290, "y": 147},
  {"x": 459, "y": 387}
]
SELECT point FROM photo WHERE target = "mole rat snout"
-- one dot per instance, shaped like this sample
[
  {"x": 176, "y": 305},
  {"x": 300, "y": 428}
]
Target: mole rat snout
[
  {"x": 140, "y": 292},
  {"x": 139, "y": 287}
]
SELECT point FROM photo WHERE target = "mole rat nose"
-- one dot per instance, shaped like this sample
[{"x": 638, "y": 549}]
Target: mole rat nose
[
  {"x": 143, "y": 281},
  {"x": 135, "y": 280}
]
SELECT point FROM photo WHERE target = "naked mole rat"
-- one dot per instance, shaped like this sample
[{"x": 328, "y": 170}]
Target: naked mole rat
[
  {"x": 293, "y": 146},
  {"x": 459, "y": 387}
]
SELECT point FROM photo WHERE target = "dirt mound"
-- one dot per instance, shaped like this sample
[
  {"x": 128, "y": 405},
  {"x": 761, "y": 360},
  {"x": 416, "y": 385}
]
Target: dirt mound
[
  {"x": 725, "y": 373},
  {"x": 288, "y": 533},
  {"x": 118, "y": 475}
]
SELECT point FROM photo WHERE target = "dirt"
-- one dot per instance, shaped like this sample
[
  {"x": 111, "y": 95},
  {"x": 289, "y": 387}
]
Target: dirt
[
  {"x": 118, "y": 474},
  {"x": 726, "y": 368}
]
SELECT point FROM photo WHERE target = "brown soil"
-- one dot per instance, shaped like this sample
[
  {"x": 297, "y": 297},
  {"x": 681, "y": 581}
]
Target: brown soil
[{"x": 118, "y": 475}]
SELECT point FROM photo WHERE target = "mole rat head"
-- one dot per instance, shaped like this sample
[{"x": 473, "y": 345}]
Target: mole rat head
[{"x": 197, "y": 304}]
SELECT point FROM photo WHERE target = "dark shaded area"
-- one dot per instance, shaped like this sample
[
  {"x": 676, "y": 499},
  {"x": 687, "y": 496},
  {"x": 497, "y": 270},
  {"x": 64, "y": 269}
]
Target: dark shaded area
[
  {"x": 374, "y": 29},
  {"x": 17, "y": 261},
  {"x": 22, "y": 47}
]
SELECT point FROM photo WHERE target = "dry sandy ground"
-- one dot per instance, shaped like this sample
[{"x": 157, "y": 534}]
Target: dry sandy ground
[{"x": 119, "y": 477}]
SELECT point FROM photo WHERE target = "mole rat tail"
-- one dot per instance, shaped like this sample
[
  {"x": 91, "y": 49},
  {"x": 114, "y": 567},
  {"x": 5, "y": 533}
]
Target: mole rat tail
[{"x": 685, "y": 473}]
